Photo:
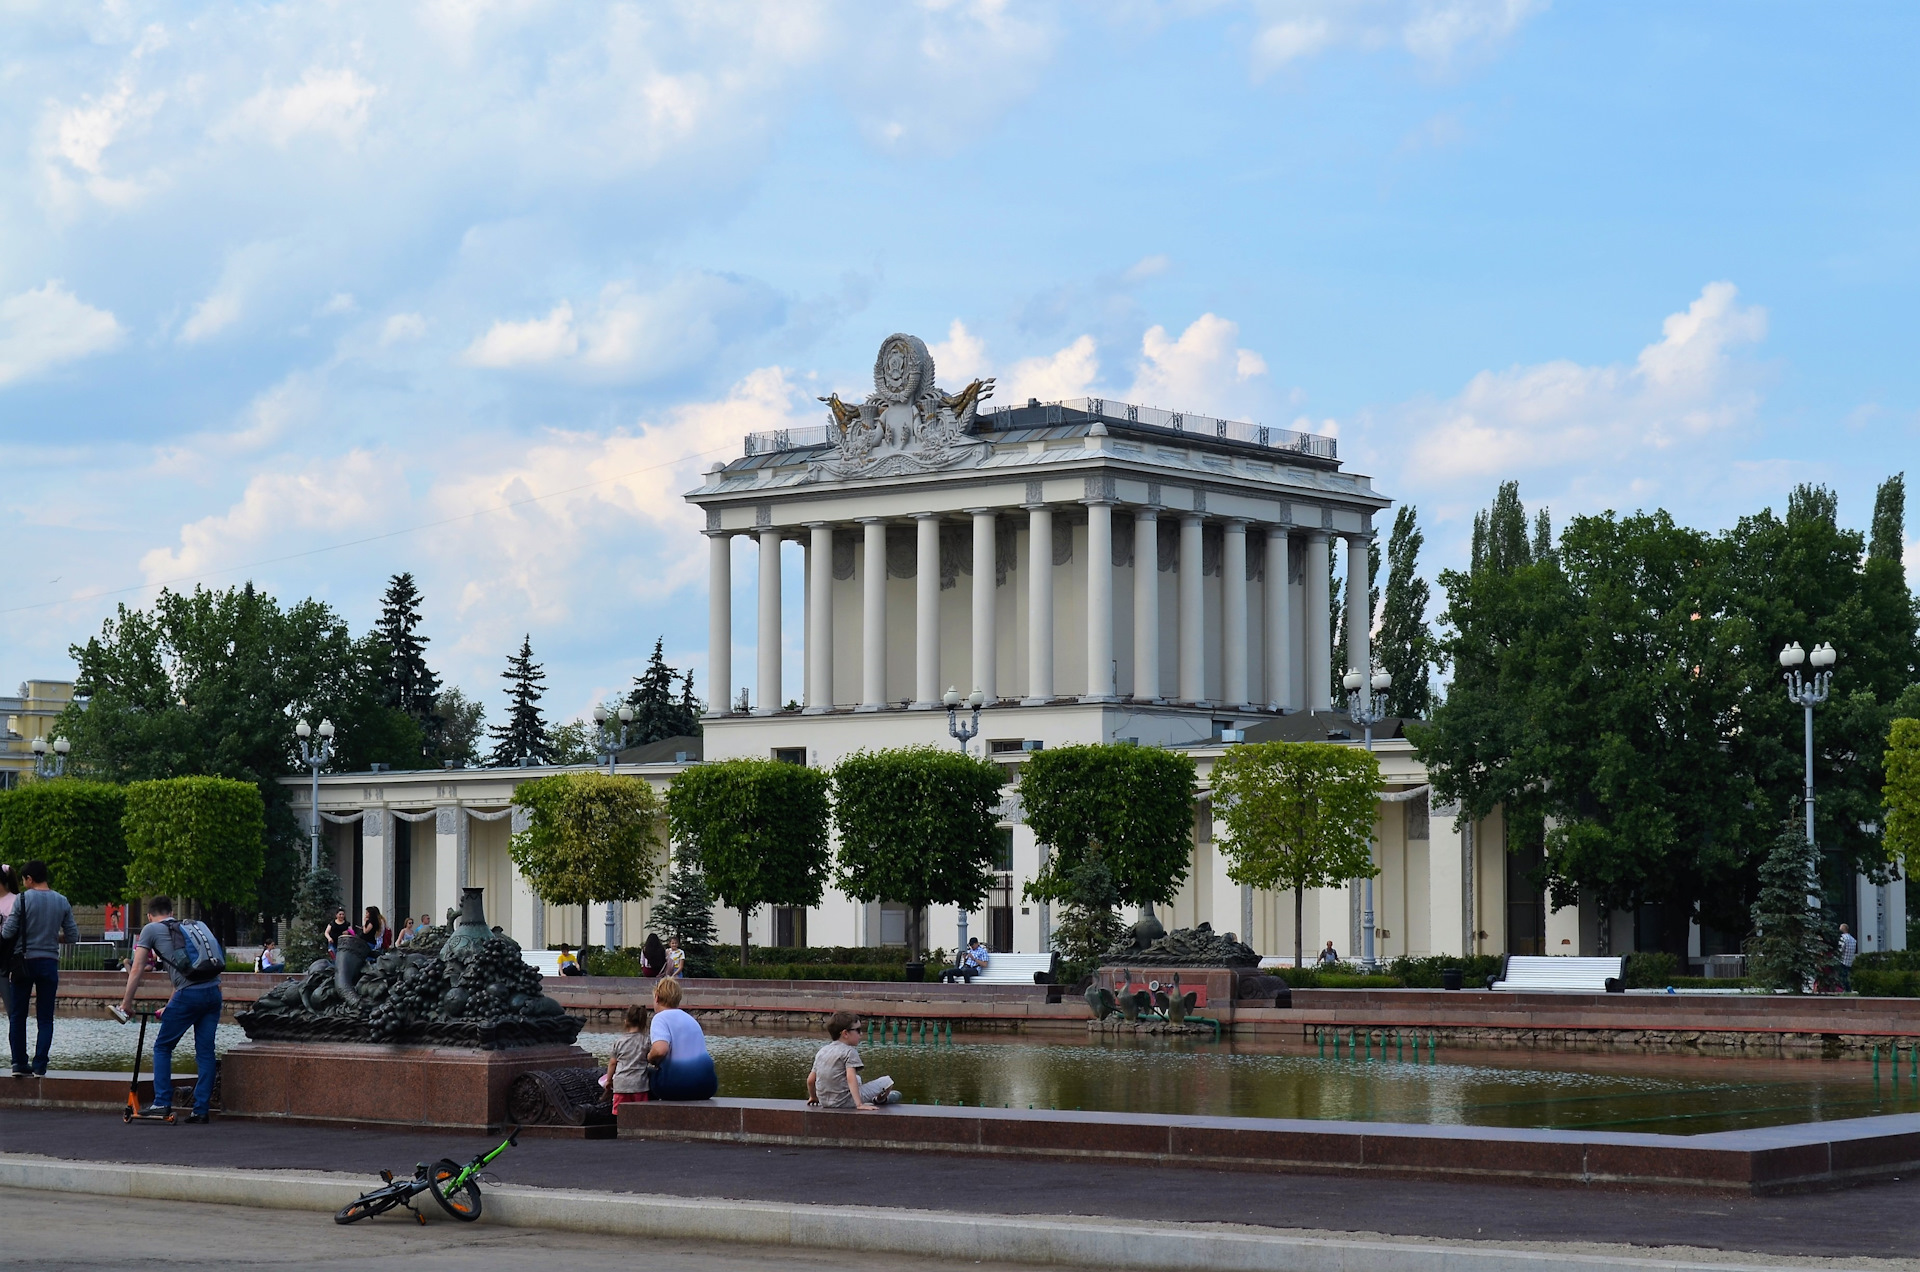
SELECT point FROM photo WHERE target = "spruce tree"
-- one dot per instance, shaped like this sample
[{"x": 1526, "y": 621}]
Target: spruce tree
[
  {"x": 525, "y": 732},
  {"x": 1407, "y": 648},
  {"x": 1790, "y": 945},
  {"x": 407, "y": 683},
  {"x": 657, "y": 713},
  {"x": 685, "y": 910},
  {"x": 314, "y": 903}
]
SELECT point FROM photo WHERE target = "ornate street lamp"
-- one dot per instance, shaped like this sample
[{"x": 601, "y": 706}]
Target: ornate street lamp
[
  {"x": 963, "y": 733},
  {"x": 54, "y": 765},
  {"x": 1362, "y": 711},
  {"x": 1809, "y": 694},
  {"x": 610, "y": 742},
  {"x": 315, "y": 758}
]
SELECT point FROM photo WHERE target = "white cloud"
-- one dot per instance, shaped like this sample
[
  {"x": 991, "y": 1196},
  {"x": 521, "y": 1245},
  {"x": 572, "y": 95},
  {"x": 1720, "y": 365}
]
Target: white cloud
[
  {"x": 252, "y": 272},
  {"x": 1065, "y": 373},
  {"x": 534, "y": 342},
  {"x": 401, "y": 328},
  {"x": 338, "y": 303},
  {"x": 49, "y": 325},
  {"x": 961, "y": 357},
  {"x": 1550, "y": 414},
  {"x": 1146, "y": 267},
  {"x": 324, "y": 101},
  {"x": 1437, "y": 32},
  {"x": 211, "y": 316},
  {"x": 1202, "y": 370},
  {"x": 631, "y": 334}
]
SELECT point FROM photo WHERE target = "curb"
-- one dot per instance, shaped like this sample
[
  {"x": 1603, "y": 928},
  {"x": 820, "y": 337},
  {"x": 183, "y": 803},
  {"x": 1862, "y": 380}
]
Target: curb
[{"x": 924, "y": 1235}]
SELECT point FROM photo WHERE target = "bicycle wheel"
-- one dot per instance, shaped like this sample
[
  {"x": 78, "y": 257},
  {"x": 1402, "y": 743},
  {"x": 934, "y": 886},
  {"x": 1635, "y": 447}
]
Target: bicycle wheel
[
  {"x": 462, "y": 1203},
  {"x": 374, "y": 1203}
]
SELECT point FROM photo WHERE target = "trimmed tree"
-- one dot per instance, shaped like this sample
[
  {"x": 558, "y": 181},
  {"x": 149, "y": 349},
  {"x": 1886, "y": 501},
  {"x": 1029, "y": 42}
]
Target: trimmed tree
[
  {"x": 198, "y": 837},
  {"x": 1901, "y": 794},
  {"x": 74, "y": 827},
  {"x": 589, "y": 837},
  {"x": 759, "y": 829},
  {"x": 1298, "y": 815},
  {"x": 916, "y": 827},
  {"x": 1135, "y": 802}
]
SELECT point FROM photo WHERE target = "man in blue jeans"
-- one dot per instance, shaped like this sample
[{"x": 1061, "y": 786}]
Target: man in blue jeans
[
  {"x": 39, "y": 921},
  {"x": 193, "y": 1006}
]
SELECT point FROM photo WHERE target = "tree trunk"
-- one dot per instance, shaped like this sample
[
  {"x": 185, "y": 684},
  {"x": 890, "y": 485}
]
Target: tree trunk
[
  {"x": 586, "y": 931},
  {"x": 745, "y": 912},
  {"x": 913, "y": 933},
  {"x": 1299, "y": 899}
]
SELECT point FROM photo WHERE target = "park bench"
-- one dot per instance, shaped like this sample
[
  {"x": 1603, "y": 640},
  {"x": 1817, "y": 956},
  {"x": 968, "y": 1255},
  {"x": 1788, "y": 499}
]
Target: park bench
[
  {"x": 1558, "y": 973},
  {"x": 546, "y": 962},
  {"x": 1015, "y": 969}
]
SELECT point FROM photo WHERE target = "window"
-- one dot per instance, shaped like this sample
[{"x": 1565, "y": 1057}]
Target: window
[
  {"x": 791, "y": 755},
  {"x": 789, "y": 926},
  {"x": 1003, "y": 848},
  {"x": 1006, "y": 746}
]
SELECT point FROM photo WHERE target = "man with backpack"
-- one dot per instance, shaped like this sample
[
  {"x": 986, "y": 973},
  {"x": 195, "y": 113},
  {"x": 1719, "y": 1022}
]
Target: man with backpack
[
  {"x": 40, "y": 921},
  {"x": 194, "y": 961}
]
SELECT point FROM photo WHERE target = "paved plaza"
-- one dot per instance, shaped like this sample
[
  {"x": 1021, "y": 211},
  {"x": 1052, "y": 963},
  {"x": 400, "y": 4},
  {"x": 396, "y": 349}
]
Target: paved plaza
[{"x": 1849, "y": 1227}]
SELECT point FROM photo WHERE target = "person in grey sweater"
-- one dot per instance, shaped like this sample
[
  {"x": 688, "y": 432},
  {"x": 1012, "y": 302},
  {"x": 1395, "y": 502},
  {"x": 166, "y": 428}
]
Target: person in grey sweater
[{"x": 39, "y": 922}]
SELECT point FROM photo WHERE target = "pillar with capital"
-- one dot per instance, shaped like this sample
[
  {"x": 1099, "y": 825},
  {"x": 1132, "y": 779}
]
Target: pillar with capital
[
  {"x": 819, "y": 617},
  {"x": 873, "y": 616},
  {"x": 1146, "y": 605},
  {"x": 1100, "y": 671},
  {"x": 1193, "y": 613},
  {"x": 926, "y": 612},
  {"x": 1233, "y": 614},
  {"x": 1360, "y": 613},
  {"x": 1319, "y": 622},
  {"x": 719, "y": 622},
  {"x": 1039, "y": 603},
  {"x": 1278, "y": 594},
  {"x": 768, "y": 685},
  {"x": 985, "y": 628}
]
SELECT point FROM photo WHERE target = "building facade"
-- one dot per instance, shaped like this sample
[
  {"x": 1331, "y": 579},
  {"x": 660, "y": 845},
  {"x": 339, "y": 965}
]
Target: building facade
[{"x": 29, "y": 714}]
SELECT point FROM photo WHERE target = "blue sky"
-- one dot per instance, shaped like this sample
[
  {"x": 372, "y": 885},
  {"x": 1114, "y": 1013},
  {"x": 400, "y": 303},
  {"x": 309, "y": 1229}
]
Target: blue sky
[{"x": 282, "y": 278}]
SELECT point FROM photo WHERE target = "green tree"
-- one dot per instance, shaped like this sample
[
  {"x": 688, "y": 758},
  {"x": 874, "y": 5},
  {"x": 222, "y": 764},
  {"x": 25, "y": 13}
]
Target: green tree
[
  {"x": 462, "y": 725},
  {"x": 1135, "y": 802},
  {"x": 685, "y": 910},
  {"x": 1406, "y": 648},
  {"x": 525, "y": 732},
  {"x": 1901, "y": 794},
  {"x": 408, "y": 684},
  {"x": 589, "y": 837},
  {"x": 657, "y": 711},
  {"x": 759, "y": 829},
  {"x": 916, "y": 826},
  {"x": 314, "y": 903},
  {"x": 575, "y": 742},
  {"x": 1298, "y": 815},
  {"x": 1088, "y": 926},
  {"x": 73, "y": 826},
  {"x": 1789, "y": 945},
  {"x": 198, "y": 837}
]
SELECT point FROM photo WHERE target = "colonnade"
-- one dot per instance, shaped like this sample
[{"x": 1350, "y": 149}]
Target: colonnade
[{"x": 1278, "y": 650}]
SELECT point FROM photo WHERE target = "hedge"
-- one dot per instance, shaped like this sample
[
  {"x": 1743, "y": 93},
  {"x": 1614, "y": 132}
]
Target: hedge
[
  {"x": 74, "y": 827},
  {"x": 198, "y": 837},
  {"x": 1873, "y": 983}
]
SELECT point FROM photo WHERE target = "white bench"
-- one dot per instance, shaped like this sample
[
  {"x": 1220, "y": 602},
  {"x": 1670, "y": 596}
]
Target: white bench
[
  {"x": 546, "y": 962},
  {"x": 1012, "y": 969},
  {"x": 1559, "y": 973}
]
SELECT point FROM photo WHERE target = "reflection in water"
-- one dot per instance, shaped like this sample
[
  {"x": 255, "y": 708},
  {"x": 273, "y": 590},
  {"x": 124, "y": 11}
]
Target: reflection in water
[{"x": 1680, "y": 1095}]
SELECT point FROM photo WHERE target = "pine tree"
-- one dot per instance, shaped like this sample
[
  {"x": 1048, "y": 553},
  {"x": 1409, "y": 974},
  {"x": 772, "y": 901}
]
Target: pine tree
[
  {"x": 685, "y": 910},
  {"x": 525, "y": 732},
  {"x": 407, "y": 682},
  {"x": 314, "y": 903},
  {"x": 1407, "y": 648},
  {"x": 656, "y": 712},
  {"x": 1790, "y": 945}
]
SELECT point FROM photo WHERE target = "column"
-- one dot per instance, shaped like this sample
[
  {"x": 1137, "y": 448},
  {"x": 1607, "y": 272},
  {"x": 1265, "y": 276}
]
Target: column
[
  {"x": 819, "y": 618},
  {"x": 1039, "y": 604},
  {"x": 449, "y": 847},
  {"x": 1233, "y": 615},
  {"x": 1360, "y": 614},
  {"x": 926, "y": 612},
  {"x": 1100, "y": 677},
  {"x": 873, "y": 617},
  {"x": 768, "y": 688},
  {"x": 1279, "y": 624},
  {"x": 1193, "y": 614},
  {"x": 1319, "y": 651},
  {"x": 983, "y": 589},
  {"x": 376, "y": 862},
  {"x": 1146, "y": 605},
  {"x": 719, "y": 622}
]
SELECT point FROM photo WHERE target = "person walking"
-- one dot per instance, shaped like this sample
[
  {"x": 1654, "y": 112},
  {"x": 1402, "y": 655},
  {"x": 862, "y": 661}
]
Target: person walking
[
  {"x": 9, "y": 893},
  {"x": 194, "y": 961},
  {"x": 1848, "y": 948},
  {"x": 39, "y": 923}
]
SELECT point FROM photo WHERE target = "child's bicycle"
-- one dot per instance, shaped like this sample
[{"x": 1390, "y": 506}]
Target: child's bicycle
[{"x": 455, "y": 1187}]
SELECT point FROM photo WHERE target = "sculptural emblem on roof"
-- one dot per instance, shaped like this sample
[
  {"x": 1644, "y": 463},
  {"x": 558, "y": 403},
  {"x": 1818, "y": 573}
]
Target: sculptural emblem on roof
[{"x": 907, "y": 424}]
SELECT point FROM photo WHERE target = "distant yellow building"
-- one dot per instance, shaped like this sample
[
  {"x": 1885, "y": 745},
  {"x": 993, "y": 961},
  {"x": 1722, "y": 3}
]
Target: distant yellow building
[{"x": 29, "y": 714}]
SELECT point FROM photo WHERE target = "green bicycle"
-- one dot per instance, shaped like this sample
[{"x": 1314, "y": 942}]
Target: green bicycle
[{"x": 455, "y": 1187}]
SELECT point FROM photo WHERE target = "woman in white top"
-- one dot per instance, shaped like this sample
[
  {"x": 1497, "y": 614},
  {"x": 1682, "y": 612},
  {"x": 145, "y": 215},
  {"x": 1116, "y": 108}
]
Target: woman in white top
[
  {"x": 679, "y": 1048},
  {"x": 9, "y": 893}
]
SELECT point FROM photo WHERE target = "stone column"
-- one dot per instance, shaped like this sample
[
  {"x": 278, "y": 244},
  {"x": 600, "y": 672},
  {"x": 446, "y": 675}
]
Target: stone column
[
  {"x": 1233, "y": 615},
  {"x": 449, "y": 859},
  {"x": 1279, "y": 624},
  {"x": 1100, "y": 678},
  {"x": 769, "y": 642},
  {"x": 984, "y": 628},
  {"x": 1193, "y": 614},
  {"x": 1039, "y": 603},
  {"x": 1319, "y": 651},
  {"x": 719, "y": 622},
  {"x": 820, "y": 618},
  {"x": 873, "y": 617},
  {"x": 376, "y": 862},
  {"x": 1146, "y": 605},
  {"x": 1360, "y": 614},
  {"x": 926, "y": 612}
]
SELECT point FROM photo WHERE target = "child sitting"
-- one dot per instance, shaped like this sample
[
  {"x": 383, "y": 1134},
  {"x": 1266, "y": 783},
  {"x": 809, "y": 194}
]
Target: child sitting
[
  {"x": 834, "y": 1082},
  {"x": 628, "y": 1076}
]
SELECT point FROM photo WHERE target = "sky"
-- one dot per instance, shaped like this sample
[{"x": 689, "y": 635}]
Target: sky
[{"x": 311, "y": 294}]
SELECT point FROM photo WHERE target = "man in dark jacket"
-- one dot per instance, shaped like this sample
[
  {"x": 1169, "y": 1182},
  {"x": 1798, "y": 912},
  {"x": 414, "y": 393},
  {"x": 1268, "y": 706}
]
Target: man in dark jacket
[{"x": 40, "y": 921}]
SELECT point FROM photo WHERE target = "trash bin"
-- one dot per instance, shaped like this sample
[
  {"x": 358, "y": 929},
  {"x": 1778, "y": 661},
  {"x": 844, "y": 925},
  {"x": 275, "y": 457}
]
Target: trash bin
[
  {"x": 916, "y": 971},
  {"x": 1450, "y": 977}
]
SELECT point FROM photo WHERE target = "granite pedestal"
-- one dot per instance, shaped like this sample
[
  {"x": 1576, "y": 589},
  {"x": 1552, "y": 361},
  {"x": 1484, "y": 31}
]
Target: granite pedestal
[{"x": 373, "y": 1084}]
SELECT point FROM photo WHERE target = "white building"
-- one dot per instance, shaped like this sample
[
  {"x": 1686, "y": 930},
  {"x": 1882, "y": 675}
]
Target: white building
[{"x": 1097, "y": 571}]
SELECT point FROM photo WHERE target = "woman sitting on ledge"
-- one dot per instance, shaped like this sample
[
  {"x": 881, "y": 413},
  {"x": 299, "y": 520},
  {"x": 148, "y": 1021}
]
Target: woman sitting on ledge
[{"x": 680, "y": 1049}]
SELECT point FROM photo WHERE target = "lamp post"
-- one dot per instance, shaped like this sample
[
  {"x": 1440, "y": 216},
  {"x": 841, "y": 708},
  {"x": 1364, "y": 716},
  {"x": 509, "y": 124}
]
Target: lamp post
[
  {"x": 315, "y": 758},
  {"x": 54, "y": 765},
  {"x": 1809, "y": 694},
  {"x": 1361, "y": 710},
  {"x": 963, "y": 733},
  {"x": 611, "y": 743}
]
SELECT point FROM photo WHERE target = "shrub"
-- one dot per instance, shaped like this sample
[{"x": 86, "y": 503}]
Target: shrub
[
  {"x": 1887, "y": 961},
  {"x": 1316, "y": 978},
  {"x": 199, "y": 837},
  {"x": 1651, "y": 969},
  {"x": 1873, "y": 983},
  {"x": 74, "y": 827},
  {"x": 1425, "y": 973}
]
